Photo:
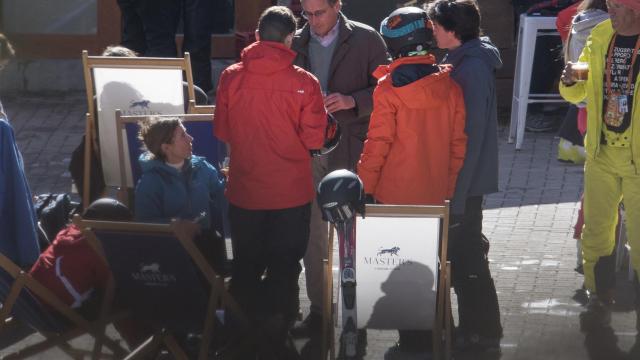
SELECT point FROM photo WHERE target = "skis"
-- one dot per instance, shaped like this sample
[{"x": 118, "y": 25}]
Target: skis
[{"x": 346, "y": 240}]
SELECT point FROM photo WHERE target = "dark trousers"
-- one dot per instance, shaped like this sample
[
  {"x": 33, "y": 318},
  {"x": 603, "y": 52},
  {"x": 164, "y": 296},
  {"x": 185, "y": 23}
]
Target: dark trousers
[
  {"x": 267, "y": 248},
  {"x": 569, "y": 128},
  {"x": 478, "y": 308},
  {"x": 149, "y": 26},
  {"x": 197, "y": 15}
]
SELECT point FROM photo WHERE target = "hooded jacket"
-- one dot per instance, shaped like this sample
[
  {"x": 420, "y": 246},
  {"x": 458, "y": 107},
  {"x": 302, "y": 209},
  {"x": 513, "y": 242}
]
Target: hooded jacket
[
  {"x": 70, "y": 268},
  {"x": 595, "y": 53},
  {"x": 271, "y": 113},
  {"x": 359, "y": 51},
  {"x": 416, "y": 142},
  {"x": 18, "y": 239},
  {"x": 581, "y": 28},
  {"x": 474, "y": 66},
  {"x": 163, "y": 192}
]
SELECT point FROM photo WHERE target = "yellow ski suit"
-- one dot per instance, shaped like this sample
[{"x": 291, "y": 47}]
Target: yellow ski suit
[{"x": 611, "y": 173}]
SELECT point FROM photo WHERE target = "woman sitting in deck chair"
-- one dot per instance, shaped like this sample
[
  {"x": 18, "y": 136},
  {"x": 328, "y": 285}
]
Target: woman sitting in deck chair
[{"x": 177, "y": 184}]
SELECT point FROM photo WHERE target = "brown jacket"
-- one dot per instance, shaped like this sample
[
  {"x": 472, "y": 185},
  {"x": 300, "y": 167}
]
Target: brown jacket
[{"x": 359, "y": 51}]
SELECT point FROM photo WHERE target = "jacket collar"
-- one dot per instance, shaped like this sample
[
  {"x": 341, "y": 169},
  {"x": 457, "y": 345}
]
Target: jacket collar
[
  {"x": 304, "y": 35},
  {"x": 383, "y": 70}
]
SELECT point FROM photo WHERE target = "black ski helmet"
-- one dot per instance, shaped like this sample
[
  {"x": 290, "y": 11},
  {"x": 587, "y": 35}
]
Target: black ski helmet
[
  {"x": 332, "y": 134},
  {"x": 107, "y": 209},
  {"x": 405, "y": 30},
  {"x": 340, "y": 196}
]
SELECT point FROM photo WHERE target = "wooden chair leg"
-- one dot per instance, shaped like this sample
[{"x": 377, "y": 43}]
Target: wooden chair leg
[
  {"x": 208, "y": 327},
  {"x": 174, "y": 348}
]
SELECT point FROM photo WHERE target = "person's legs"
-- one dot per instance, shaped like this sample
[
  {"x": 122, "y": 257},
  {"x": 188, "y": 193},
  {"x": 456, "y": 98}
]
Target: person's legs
[
  {"x": 132, "y": 29},
  {"x": 197, "y": 40},
  {"x": 288, "y": 234},
  {"x": 160, "y": 20},
  {"x": 602, "y": 194},
  {"x": 248, "y": 229},
  {"x": 569, "y": 128},
  {"x": 316, "y": 251},
  {"x": 478, "y": 308},
  {"x": 288, "y": 238}
]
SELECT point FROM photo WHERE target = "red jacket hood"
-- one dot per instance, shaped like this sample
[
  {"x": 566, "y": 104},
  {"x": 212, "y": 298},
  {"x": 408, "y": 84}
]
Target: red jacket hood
[
  {"x": 266, "y": 57},
  {"x": 68, "y": 236},
  {"x": 424, "y": 91}
]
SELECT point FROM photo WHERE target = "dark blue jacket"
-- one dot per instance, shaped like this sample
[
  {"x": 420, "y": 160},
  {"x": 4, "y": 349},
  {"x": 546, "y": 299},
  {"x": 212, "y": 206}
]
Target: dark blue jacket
[
  {"x": 18, "y": 239},
  {"x": 164, "y": 193},
  {"x": 474, "y": 66}
]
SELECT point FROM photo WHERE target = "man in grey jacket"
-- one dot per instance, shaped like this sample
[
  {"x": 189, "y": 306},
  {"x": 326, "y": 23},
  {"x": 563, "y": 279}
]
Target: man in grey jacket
[
  {"x": 342, "y": 54},
  {"x": 456, "y": 27}
]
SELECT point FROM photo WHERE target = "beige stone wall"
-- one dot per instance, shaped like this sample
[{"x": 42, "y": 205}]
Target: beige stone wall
[{"x": 497, "y": 23}]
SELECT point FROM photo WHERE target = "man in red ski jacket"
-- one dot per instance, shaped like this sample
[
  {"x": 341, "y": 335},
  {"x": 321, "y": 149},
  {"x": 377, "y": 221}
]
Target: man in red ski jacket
[{"x": 271, "y": 114}]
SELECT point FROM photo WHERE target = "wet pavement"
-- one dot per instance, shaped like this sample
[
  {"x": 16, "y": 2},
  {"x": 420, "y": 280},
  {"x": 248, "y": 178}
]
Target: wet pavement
[{"x": 529, "y": 223}]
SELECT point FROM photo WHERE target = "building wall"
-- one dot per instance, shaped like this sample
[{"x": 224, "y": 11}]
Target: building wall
[{"x": 498, "y": 24}]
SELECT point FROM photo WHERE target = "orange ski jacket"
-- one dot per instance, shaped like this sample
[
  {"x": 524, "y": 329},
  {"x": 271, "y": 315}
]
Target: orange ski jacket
[{"x": 416, "y": 142}]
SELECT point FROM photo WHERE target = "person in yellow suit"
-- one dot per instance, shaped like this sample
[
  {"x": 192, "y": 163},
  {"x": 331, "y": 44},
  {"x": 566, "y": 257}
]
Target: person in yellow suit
[{"x": 612, "y": 168}]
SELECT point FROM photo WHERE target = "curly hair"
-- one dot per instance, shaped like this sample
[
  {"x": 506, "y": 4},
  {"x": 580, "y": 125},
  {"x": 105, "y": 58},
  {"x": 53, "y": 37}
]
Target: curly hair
[{"x": 155, "y": 131}]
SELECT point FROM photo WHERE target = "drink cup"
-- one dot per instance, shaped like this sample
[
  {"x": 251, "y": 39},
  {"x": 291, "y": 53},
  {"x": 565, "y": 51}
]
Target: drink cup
[{"x": 580, "y": 71}]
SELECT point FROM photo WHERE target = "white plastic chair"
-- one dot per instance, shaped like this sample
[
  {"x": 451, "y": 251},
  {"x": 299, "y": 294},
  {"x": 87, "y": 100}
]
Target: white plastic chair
[{"x": 530, "y": 28}]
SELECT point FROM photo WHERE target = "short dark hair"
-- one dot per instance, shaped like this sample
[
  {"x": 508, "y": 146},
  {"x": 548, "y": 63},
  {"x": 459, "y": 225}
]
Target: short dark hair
[
  {"x": 276, "y": 23},
  {"x": 460, "y": 16},
  {"x": 155, "y": 131}
]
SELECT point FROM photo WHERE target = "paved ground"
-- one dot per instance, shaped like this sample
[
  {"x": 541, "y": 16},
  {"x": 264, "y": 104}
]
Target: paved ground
[{"x": 529, "y": 224}]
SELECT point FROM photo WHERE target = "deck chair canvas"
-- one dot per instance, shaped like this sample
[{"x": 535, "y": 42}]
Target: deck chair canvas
[
  {"x": 199, "y": 126},
  {"x": 137, "y": 86},
  {"x": 402, "y": 273},
  {"x": 24, "y": 299},
  {"x": 163, "y": 279}
]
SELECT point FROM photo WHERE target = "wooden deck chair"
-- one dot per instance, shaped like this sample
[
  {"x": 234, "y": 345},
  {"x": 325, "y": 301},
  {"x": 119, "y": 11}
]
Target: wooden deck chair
[
  {"x": 378, "y": 238},
  {"x": 163, "y": 279},
  {"x": 25, "y": 299},
  {"x": 201, "y": 109},
  {"x": 137, "y": 86}
]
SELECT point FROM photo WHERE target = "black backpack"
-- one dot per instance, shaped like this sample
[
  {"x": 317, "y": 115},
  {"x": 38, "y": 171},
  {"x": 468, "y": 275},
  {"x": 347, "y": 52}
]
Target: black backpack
[{"x": 53, "y": 212}]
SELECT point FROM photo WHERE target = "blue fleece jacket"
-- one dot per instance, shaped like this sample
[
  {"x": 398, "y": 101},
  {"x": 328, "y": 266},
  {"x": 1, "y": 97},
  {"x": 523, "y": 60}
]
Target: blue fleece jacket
[
  {"x": 18, "y": 239},
  {"x": 163, "y": 192},
  {"x": 474, "y": 66}
]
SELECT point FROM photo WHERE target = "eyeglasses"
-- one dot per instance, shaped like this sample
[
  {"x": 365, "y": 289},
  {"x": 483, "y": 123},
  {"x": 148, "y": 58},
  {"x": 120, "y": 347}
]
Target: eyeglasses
[{"x": 315, "y": 14}]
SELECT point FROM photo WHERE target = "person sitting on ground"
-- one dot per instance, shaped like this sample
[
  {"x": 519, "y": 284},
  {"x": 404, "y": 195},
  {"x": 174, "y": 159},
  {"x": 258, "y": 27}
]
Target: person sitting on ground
[
  {"x": 177, "y": 184},
  {"x": 416, "y": 142},
  {"x": 76, "y": 274}
]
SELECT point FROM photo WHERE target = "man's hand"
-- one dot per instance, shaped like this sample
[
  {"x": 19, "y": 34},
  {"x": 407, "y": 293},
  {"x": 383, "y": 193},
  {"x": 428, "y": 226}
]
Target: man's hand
[
  {"x": 568, "y": 77},
  {"x": 336, "y": 102}
]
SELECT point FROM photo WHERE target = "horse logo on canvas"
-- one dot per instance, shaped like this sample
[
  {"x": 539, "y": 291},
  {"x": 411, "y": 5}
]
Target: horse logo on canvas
[
  {"x": 151, "y": 275},
  {"x": 154, "y": 267},
  {"x": 391, "y": 251},
  {"x": 385, "y": 258},
  {"x": 143, "y": 104}
]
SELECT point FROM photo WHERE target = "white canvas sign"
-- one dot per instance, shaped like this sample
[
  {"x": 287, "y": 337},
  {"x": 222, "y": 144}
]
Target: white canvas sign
[
  {"x": 396, "y": 271},
  {"x": 135, "y": 92}
]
